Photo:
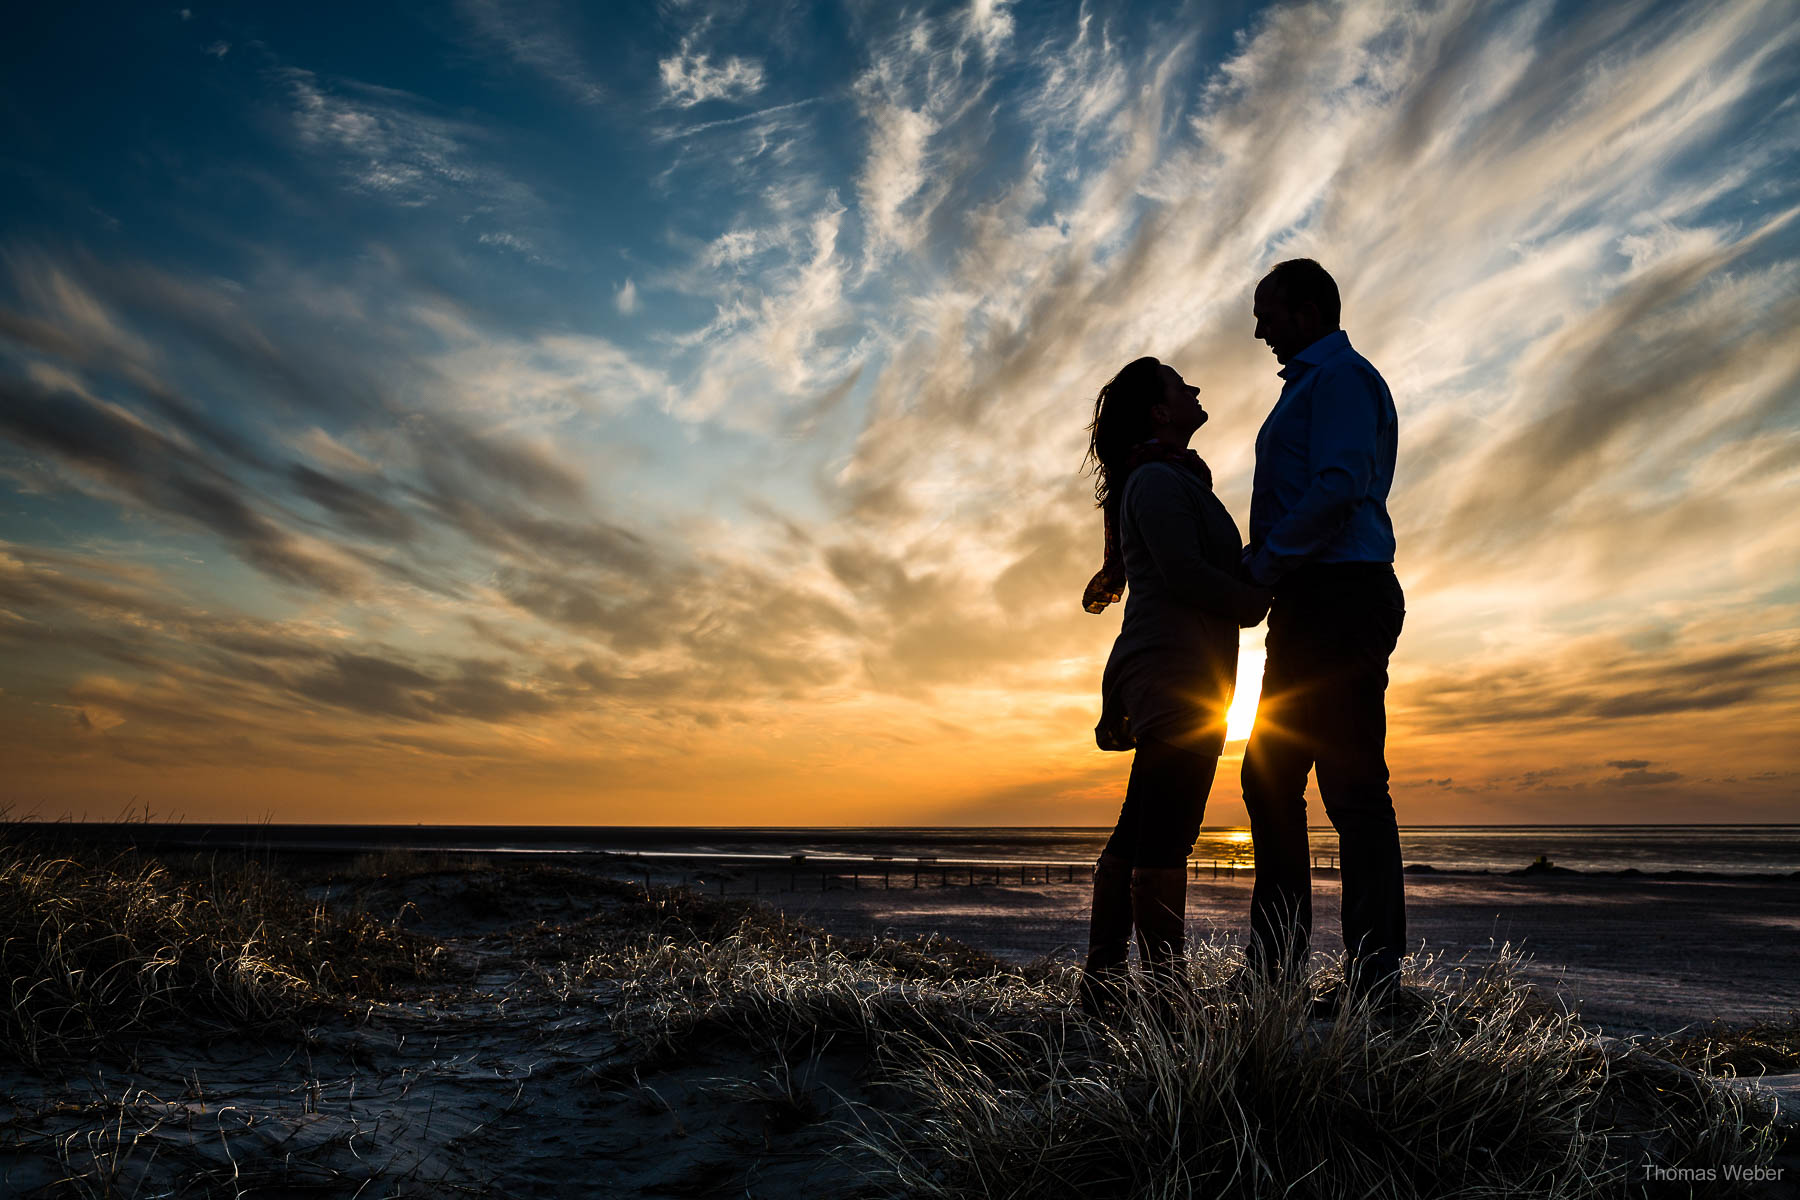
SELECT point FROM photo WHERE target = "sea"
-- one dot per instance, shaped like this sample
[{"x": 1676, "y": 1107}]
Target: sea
[{"x": 1749, "y": 850}]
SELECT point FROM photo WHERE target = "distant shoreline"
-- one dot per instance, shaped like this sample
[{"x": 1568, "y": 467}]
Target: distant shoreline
[{"x": 629, "y": 843}]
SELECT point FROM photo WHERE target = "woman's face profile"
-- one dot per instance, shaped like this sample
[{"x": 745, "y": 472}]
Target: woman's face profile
[{"x": 1181, "y": 401}]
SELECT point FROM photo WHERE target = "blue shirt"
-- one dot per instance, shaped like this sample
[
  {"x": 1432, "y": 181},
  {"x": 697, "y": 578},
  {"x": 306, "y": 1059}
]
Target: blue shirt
[{"x": 1324, "y": 464}]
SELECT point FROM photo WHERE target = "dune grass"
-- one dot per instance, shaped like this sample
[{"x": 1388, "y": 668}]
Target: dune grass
[
  {"x": 99, "y": 947},
  {"x": 1769, "y": 1047},
  {"x": 1002, "y": 1090}
]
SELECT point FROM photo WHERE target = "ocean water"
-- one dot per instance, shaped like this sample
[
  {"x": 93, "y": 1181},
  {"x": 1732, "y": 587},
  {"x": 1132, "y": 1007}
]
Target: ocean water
[{"x": 1712, "y": 849}]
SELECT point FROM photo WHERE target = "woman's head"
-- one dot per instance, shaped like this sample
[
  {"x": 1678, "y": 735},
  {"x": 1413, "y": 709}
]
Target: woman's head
[{"x": 1146, "y": 399}]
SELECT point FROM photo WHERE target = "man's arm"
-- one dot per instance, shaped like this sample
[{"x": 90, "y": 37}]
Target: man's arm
[{"x": 1347, "y": 410}]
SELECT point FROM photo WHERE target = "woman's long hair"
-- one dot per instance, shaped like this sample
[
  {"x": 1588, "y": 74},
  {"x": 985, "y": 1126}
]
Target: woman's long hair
[{"x": 1121, "y": 422}]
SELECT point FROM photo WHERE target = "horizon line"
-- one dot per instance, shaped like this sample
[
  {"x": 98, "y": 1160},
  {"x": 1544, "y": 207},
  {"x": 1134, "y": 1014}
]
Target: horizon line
[{"x": 270, "y": 824}]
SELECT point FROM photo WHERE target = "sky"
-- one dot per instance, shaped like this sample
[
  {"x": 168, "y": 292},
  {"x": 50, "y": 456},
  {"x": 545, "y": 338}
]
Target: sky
[{"x": 523, "y": 411}]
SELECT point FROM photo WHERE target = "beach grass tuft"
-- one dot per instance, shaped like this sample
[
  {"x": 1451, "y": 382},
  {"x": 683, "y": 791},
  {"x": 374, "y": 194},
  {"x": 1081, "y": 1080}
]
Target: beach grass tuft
[
  {"x": 1765, "y": 1048},
  {"x": 98, "y": 947},
  {"x": 1002, "y": 1090}
]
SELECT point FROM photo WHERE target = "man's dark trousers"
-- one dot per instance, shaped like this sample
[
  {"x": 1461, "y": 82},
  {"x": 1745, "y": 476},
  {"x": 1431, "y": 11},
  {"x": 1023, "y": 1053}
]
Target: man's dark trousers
[{"x": 1331, "y": 630}]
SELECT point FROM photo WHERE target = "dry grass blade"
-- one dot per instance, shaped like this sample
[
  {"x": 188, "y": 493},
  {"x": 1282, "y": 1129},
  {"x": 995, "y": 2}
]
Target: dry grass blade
[{"x": 94, "y": 950}]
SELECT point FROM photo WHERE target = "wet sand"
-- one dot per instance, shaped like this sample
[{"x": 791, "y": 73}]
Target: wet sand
[{"x": 1634, "y": 955}]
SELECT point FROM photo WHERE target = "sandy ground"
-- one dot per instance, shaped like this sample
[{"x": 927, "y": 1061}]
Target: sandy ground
[{"x": 500, "y": 1086}]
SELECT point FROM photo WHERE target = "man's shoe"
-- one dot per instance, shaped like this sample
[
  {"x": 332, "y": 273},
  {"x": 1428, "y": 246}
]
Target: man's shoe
[
  {"x": 1329, "y": 1003},
  {"x": 1240, "y": 984}
]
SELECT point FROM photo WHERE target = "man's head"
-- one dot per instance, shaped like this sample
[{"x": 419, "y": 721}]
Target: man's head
[{"x": 1296, "y": 304}]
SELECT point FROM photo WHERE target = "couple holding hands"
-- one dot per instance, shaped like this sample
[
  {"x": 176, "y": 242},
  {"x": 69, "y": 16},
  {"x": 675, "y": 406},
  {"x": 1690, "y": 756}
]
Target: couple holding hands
[{"x": 1320, "y": 566}]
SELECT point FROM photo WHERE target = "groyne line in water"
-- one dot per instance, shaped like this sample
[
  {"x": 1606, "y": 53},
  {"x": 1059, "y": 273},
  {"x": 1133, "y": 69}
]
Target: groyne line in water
[{"x": 848, "y": 872}]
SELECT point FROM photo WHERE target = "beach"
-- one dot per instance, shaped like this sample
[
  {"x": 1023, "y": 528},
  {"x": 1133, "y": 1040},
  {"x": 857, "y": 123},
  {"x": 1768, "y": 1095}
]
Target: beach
[
  {"x": 569, "y": 1033},
  {"x": 1632, "y": 955},
  {"x": 1641, "y": 929}
]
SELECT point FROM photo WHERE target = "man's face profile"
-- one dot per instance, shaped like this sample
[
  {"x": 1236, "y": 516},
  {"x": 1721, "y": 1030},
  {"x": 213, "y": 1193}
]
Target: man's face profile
[{"x": 1276, "y": 323}]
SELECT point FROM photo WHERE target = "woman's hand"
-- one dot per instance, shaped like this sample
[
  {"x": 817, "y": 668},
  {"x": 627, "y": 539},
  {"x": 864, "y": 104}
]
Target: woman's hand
[{"x": 1113, "y": 733}]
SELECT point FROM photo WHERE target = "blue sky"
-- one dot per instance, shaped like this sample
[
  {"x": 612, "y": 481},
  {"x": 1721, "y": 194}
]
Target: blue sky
[{"x": 674, "y": 412}]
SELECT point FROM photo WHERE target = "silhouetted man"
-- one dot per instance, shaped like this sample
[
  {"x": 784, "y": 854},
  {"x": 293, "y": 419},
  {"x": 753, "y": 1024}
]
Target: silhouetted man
[{"x": 1320, "y": 537}]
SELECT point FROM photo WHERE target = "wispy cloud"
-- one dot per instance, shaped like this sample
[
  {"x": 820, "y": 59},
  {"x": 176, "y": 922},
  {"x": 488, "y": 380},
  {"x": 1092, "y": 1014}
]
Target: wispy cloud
[
  {"x": 535, "y": 34},
  {"x": 110, "y": 450},
  {"x": 391, "y": 145},
  {"x": 690, "y": 77}
]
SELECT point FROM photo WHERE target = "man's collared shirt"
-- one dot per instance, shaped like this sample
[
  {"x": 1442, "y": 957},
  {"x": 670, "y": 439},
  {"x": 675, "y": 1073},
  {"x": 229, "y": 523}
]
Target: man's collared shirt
[{"x": 1324, "y": 464}]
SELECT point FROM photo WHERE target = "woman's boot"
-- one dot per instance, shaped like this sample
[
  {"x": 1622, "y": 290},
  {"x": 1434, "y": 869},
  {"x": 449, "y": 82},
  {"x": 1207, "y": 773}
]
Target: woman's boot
[
  {"x": 1158, "y": 909},
  {"x": 1109, "y": 936}
]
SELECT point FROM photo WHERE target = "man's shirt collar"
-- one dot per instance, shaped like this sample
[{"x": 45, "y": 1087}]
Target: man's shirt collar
[{"x": 1332, "y": 343}]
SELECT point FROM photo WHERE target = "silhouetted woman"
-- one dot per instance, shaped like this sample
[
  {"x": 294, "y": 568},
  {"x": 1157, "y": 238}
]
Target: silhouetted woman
[{"x": 1170, "y": 677}]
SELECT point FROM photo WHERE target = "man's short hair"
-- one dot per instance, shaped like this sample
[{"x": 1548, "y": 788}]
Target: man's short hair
[{"x": 1301, "y": 280}]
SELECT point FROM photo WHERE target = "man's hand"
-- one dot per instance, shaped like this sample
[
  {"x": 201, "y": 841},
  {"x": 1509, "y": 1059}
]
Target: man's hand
[{"x": 1253, "y": 605}]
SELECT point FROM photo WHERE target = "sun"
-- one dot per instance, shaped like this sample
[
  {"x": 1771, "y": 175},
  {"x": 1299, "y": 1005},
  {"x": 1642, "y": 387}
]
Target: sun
[{"x": 1242, "y": 713}]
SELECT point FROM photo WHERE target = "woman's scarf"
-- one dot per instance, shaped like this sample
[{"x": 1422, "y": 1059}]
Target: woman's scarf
[{"x": 1108, "y": 583}]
